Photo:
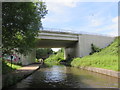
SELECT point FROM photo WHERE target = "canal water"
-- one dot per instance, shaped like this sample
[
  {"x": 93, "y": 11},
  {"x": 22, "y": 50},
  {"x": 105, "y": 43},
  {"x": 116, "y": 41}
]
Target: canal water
[{"x": 60, "y": 76}]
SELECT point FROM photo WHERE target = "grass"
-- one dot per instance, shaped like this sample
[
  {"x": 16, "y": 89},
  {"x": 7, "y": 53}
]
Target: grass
[
  {"x": 107, "y": 58},
  {"x": 55, "y": 58},
  {"x": 6, "y": 67}
]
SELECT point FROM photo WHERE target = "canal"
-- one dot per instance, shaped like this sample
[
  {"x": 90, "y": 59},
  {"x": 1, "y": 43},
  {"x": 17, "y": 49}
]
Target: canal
[{"x": 60, "y": 76}]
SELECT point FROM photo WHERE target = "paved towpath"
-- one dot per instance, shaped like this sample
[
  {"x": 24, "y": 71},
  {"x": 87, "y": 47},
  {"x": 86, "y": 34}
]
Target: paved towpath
[
  {"x": 31, "y": 67},
  {"x": 19, "y": 74}
]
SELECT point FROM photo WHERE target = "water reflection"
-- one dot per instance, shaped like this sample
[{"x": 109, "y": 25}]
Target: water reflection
[
  {"x": 55, "y": 74},
  {"x": 59, "y": 76}
]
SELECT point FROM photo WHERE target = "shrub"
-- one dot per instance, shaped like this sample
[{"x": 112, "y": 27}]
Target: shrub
[{"x": 94, "y": 49}]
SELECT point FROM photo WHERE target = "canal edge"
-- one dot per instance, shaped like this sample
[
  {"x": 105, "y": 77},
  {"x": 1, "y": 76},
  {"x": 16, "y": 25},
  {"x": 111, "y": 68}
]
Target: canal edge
[
  {"x": 18, "y": 76},
  {"x": 102, "y": 71}
]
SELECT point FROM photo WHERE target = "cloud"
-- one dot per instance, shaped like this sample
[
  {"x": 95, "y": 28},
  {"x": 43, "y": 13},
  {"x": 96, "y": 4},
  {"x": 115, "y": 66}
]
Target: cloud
[
  {"x": 58, "y": 11},
  {"x": 75, "y": 1},
  {"x": 113, "y": 33},
  {"x": 59, "y": 5},
  {"x": 68, "y": 3},
  {"x": 115, "y": 19},
  {"x": 94, "y": 20},
  {"x": 99, "y": 25},
  {"x": 112, "y": 28}
]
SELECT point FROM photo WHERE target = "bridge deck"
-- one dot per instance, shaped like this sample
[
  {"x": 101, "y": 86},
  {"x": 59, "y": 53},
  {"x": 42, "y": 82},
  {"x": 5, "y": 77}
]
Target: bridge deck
[{"x": 58, "y": 36}]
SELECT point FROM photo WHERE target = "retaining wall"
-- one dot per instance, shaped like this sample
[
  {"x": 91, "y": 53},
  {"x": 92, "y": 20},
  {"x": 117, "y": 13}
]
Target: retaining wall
[{"x": 103, "y": 71}]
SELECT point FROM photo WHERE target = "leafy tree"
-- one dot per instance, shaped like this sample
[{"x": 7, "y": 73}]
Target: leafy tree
[
  {"x": 21, "y": 22},
  {"x": 43, "y": 52}
]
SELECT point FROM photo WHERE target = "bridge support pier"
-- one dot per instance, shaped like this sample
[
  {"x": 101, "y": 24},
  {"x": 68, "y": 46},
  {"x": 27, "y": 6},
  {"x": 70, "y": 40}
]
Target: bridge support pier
[{"x": 70, "y": 52}]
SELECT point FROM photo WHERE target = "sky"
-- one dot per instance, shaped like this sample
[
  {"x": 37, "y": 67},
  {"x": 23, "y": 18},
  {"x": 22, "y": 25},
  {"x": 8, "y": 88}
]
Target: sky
[{"x": 82, "y": 17}]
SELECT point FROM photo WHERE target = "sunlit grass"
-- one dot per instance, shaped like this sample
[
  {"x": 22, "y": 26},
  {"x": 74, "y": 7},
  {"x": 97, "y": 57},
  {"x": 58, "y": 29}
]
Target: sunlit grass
[
  {"x": 6, "y": 67},
  {"x": 107, "y": 58},
  {"x": 14, "y": 66},
  {"x": 55, "y": 58}
]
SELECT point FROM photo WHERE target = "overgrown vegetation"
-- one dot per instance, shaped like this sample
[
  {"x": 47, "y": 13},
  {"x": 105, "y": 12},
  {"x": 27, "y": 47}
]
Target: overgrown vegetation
[
  {"x": 43, "y": 53},
  {"x": 6, "y": 67},
  {"x": 107, "y": 58},
  {"x": 55, "y": 58}
]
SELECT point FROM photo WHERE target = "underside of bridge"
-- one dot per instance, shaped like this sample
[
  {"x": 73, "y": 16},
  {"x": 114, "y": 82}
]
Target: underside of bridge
[
  {"x": 75, "y": 45},
  {"x": 55, "y": 43}
]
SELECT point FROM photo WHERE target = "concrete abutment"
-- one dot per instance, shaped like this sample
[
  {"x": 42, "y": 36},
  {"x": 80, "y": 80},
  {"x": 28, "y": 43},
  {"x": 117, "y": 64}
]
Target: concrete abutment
[
  {"x": 29, "y": 58},
  {"x": 83, "y": 46}
]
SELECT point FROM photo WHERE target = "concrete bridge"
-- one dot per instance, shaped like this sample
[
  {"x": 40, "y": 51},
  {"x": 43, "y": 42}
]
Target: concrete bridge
[{"x": 75, "y": 45}]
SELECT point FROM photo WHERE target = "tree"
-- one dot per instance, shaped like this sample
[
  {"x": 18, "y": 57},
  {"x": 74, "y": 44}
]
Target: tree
[
  {"x": 20, "y": 26},
  {"x": 43, "y": 52}
]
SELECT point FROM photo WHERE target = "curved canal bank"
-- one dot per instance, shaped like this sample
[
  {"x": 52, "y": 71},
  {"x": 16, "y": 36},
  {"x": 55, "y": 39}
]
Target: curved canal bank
[{"x": 60, "y": 76}]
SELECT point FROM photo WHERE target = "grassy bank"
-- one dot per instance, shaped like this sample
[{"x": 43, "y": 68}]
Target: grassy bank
[
  {"x": 6, "y": 67},
  {"x": 55, "y": 58},
  {"x": 107, "y": 58}
]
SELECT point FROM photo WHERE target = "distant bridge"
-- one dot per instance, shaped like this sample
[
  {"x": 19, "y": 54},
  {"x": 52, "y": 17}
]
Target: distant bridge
[{"x": 75, "y": 44}]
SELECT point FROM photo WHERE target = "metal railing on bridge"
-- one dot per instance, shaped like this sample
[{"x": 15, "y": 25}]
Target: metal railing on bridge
[{"x": 70, "y": 31}]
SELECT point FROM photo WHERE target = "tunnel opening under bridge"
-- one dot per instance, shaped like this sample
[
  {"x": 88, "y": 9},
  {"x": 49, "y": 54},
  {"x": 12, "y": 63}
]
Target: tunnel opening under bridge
[{"x": 53, "y": 53}]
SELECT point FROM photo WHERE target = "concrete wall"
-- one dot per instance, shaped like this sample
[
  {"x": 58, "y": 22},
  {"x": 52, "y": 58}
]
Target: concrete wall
[
  {"x": 28, "y": 59},
  {"x": 85, "y": 42},
  {"x": 83, "y": 46}
]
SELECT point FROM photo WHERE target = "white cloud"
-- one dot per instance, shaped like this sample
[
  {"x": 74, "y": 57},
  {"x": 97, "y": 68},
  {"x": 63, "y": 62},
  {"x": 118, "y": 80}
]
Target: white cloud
[
  {"x": 96, "y": 22},
  {"x": 100, "y": 25},
  {"x": 112, "y": 28},
  {"x": 113, "y": 33},
  {"x": 57, "y": 6},
  {"x": 115, "y": 19},
  {"x": 61, "y": 3},
  {"x": 95, "y": 19},
  {"x": 69, "y": 1},
  {"x": 58, "y": 10}
]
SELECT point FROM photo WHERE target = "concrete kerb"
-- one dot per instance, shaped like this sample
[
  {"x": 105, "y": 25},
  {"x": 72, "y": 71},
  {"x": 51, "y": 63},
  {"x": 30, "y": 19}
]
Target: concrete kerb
[
  {"x": 18, "y": 75},
  {"x": 103, "y": 71}
]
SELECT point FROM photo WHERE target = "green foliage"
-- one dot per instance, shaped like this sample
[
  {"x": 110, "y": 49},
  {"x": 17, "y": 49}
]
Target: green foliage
[
  {"x": 94, "y": 49},
  {"x": 6, "y": 67},
  {"x": 21, "y": 22},
  {"x": 107, "y": 58},
  {"x": 43, "y": 52},
  {"x": 55, "y": 58}
]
